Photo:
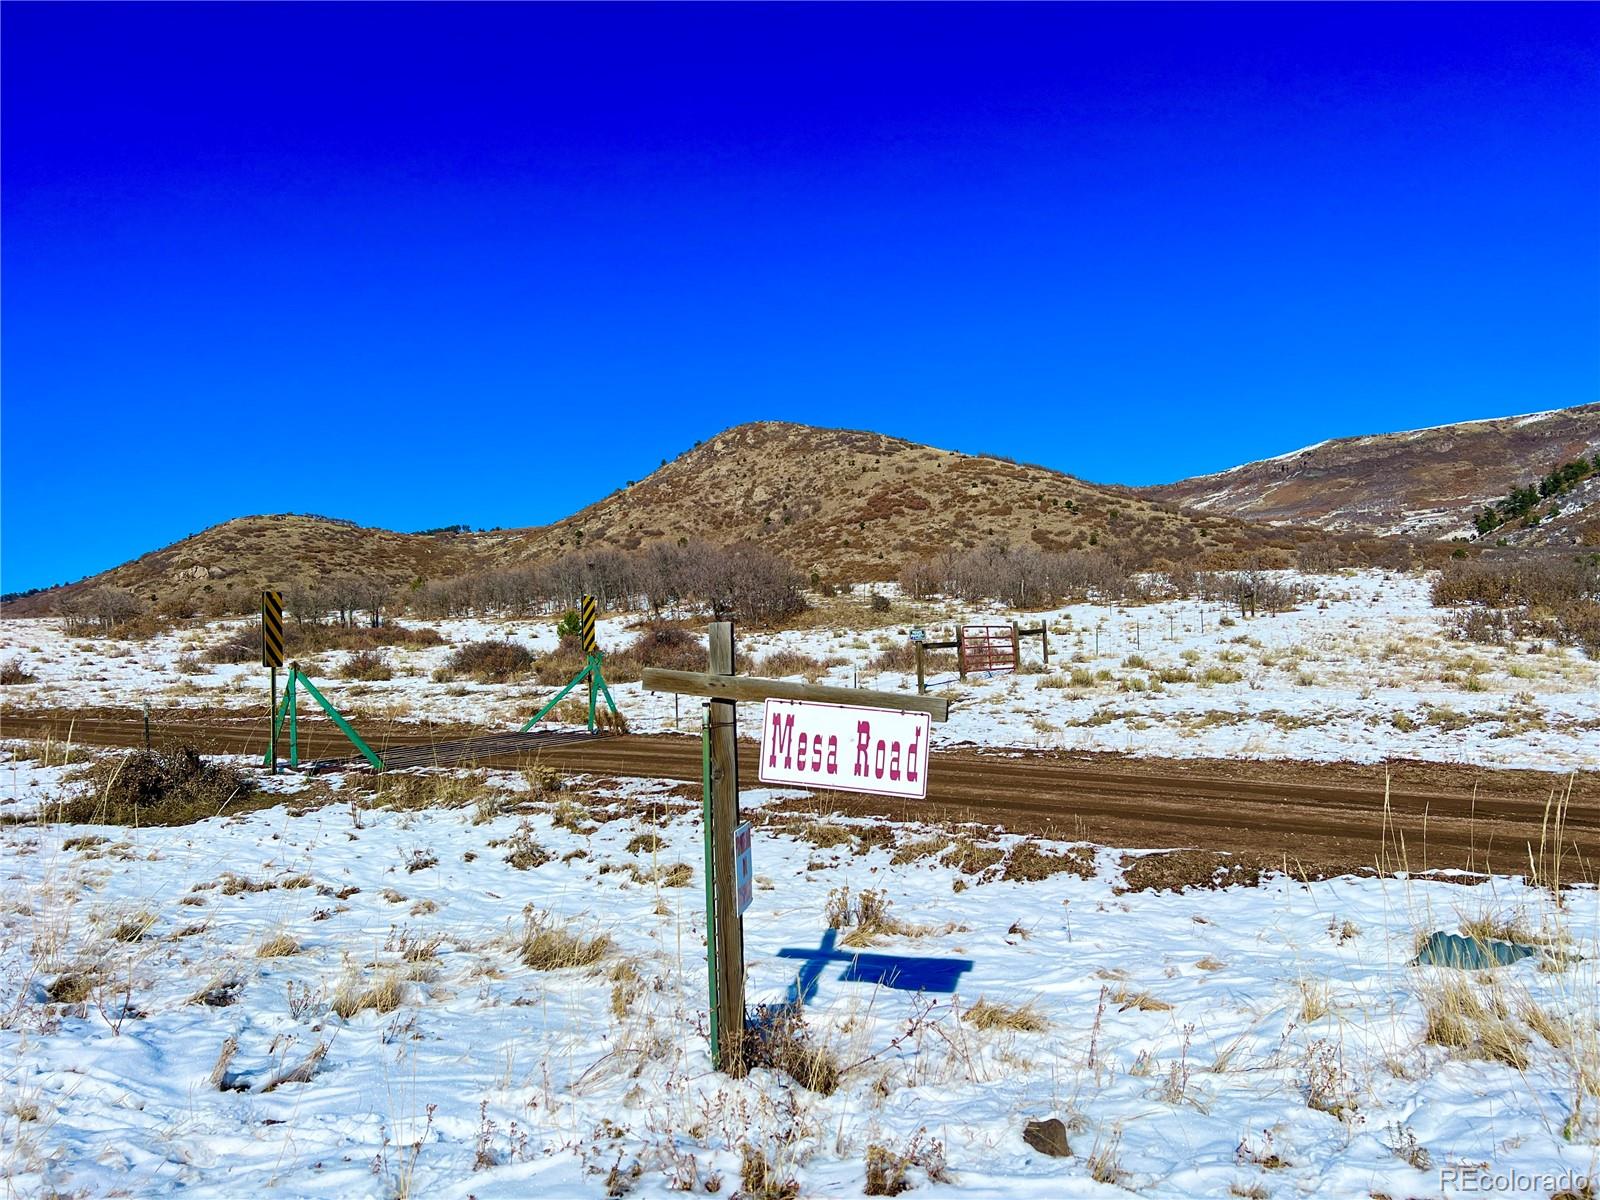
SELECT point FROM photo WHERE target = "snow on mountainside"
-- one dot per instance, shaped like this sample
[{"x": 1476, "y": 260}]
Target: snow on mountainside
[{"x": 1421, "y": 482}]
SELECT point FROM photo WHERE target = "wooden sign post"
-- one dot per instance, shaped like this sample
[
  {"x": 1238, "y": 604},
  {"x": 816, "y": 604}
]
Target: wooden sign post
[
  {"x": 728, "y": 944},
  {"x": 724, "y": 920}
]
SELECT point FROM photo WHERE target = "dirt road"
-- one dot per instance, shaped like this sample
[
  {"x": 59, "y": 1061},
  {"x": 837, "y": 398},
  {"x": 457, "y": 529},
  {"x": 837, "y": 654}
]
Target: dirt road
[{"x": 1326, "y": 816}]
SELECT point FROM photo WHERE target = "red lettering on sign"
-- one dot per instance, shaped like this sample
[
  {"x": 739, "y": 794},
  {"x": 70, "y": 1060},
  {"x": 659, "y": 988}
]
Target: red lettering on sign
[
  {"x": 833, "y": 754},
  {"x": 863, "y": 746},
  {"x": 911, "y": 758},
  {"x": 782, "y": 732}
]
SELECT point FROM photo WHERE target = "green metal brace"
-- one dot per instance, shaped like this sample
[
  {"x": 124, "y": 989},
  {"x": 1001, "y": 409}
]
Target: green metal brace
[
  {"x": 592, "y": 671},
  {"x": 290, "y": 709}
]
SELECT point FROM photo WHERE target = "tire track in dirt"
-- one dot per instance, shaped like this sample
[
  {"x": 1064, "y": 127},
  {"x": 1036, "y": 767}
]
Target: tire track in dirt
[{"x": 1326, "y": 816}]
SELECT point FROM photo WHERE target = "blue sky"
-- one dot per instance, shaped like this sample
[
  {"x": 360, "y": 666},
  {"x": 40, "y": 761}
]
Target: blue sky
[{"x": 422, "y": 265}]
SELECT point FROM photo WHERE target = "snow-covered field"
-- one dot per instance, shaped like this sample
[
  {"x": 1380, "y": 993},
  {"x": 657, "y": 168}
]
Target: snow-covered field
[
  {"x": 1249, "y": 1041},
  {"x": 1364, "y": 671}
]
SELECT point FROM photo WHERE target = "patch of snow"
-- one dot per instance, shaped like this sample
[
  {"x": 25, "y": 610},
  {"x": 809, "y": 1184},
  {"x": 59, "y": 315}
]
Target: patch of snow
[{"x": 1178, "y": 1041}]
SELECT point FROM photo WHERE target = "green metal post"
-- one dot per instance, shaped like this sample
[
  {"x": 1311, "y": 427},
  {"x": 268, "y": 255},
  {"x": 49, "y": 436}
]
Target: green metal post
[
  {"x": 277, "y": 729},
  {"x": 272, "y": 750},
  {"x": 711, "y": 875},
  {"x": 344, "y": 726},
  {"x": 294, "y": 722},
  {"x": 606, "y": 691},
  {"x": 594, "y": 666}
]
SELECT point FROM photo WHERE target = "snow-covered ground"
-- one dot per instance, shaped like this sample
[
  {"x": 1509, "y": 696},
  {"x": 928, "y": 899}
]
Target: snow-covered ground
[
  {"x": 1250, "y": 1041},
  {"x": 1365, "y": 671}
]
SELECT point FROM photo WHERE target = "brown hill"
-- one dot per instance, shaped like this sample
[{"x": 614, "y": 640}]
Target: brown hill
[
  {"x": 855, "y": 505},
  {"x": 1426, "y": 482},
  {"x": 847, "y": 505}
]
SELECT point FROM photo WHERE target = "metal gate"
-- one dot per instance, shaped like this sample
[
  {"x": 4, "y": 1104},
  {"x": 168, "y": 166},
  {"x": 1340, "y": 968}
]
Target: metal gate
[{"x": 988, "y": 648}]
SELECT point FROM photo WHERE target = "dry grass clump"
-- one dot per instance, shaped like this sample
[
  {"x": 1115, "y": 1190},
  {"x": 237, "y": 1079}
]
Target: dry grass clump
[
  {"x": 625, "y": 987},
  {"x": 72, "y": 987},
  {"x": 644, "y": 843},
  {"x": 370, "y": 666},
  {"x": 548, "y": 947},
  {"x": 543, "y": 780},
  {"x": 1027, "y": 863},
  {"x": 782, "y": 664},
  {"x": 966, "y": 856},
  {"x": 233, "y": 885},
  {"x": 15, "y": 670},
  {"x": 1315, "y": 1002},
  {"x": 382, "y": 995},
  {"x": 280, "y": 945},
  {"x": 434, "y": 789},
  {"x": 52, "y": 752},
  {"x": 866, "y": 915},
  {"x": 1553, "y": 1029},
  {"x": 902, "y": 657},
  {"x": 1179, "y": 869},
  {"x": 133, "y": 927},
  {"x": 1126, "y": 998},
  {"x": 676, "y": 876},
  {"x": 761, "y": 1179},
  {"x": 782, "y": 1042},
  {"x": 1489, "y": 926},
  {"x": 157, "y": 787},
  {"x": 914, "y": 851},
  {"x": 219, "y": 991},
  {"x": 987, "y": 1015},
  {"x": 886, "y": 1168},
  {"x": 525, "y": 850},
  {"x": 1472, "y": 1022},
  {"x": 491, "y": 661}
]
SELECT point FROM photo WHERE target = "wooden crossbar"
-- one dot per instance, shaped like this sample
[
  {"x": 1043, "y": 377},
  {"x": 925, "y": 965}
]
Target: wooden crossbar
[{"x": 747, "y": 688}]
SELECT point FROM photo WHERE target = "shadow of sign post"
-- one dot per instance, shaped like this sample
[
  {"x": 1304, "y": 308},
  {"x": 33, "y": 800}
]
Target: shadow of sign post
[{"x": 903, "y": 972}]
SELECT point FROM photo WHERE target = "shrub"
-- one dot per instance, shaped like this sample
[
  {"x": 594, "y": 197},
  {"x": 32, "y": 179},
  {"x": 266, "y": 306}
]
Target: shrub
[
  {"x": 782, "y": 1042},
  {"x": 368, "y": 665},
  {"x": 240, "y": 646},
  {"x": 156, "y": 787},
  {"x": 668, "y": 647},
  {"x": 492, "y": 661},
  {"x": 14, "y": 670}
]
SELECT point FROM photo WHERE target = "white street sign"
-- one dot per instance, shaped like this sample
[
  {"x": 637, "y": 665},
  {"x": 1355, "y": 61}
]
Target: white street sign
[{"x": 880, "y": 751}]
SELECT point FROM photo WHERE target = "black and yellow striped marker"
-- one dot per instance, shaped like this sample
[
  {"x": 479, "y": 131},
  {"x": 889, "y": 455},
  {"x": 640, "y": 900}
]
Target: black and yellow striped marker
[
  {"x": 589, "y": 611},
  {"x": 272, "y": 629}
]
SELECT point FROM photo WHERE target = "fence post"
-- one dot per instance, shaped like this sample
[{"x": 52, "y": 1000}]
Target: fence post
[
  {"x": 729, "y": 932},
  {"x": 1016, "y": 648},
  {"x": 961, "y": 653},
  {"x": 921, "y": 685},
  {"x": 1044, "y": 640}
]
